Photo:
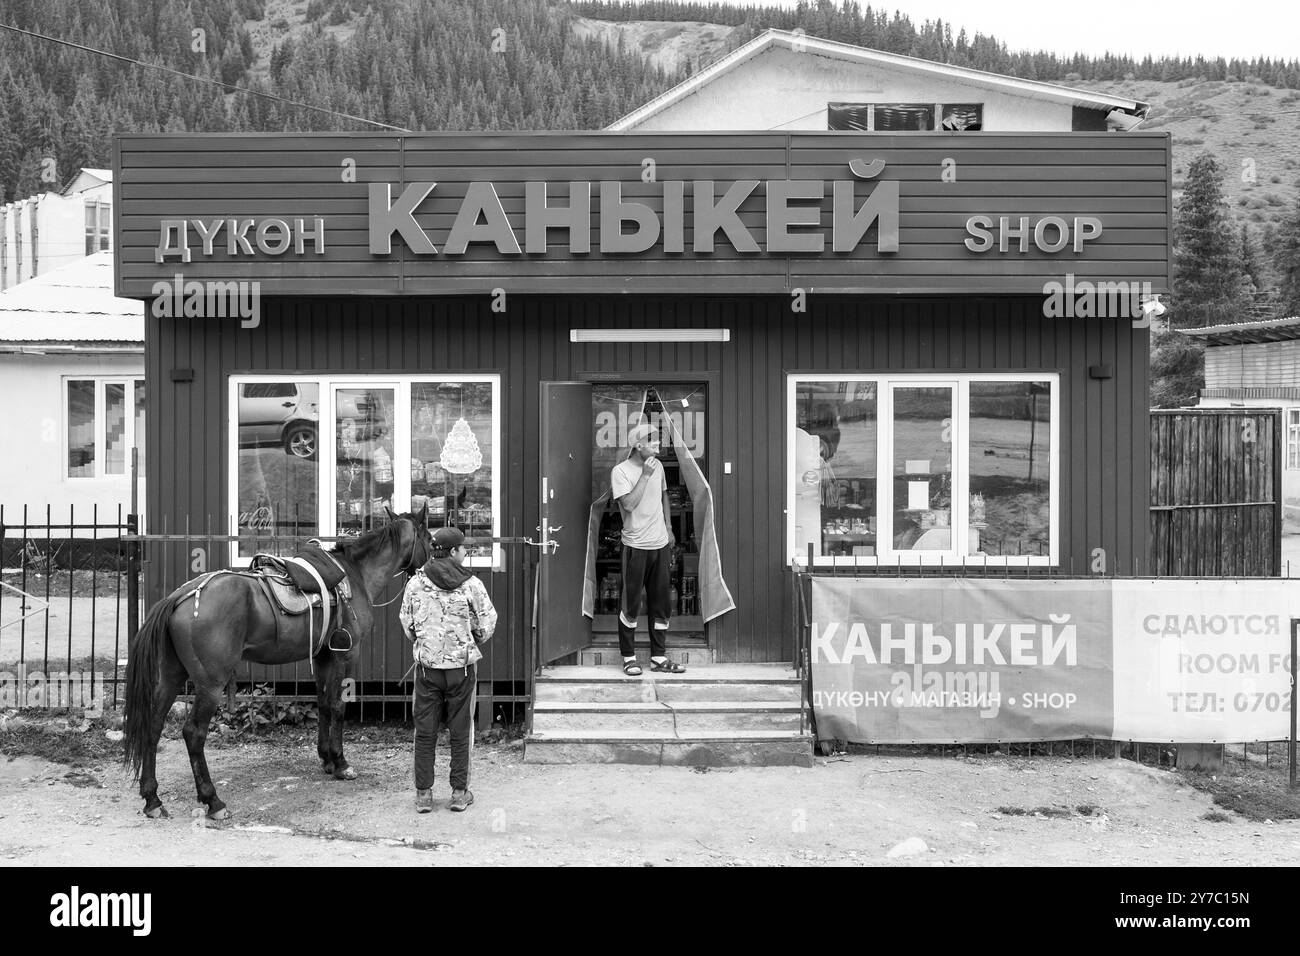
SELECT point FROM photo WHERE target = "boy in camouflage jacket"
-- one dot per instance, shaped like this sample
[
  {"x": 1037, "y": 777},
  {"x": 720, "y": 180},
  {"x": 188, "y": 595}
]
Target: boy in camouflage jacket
[{"x": 446, "y": 613}]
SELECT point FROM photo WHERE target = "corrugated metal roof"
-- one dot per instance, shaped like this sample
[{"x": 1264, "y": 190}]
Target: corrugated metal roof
[
  {"x": 71, "y": 304},
  {"x": 1249, "y": 333},
  {"x": 847, "y": 51}
]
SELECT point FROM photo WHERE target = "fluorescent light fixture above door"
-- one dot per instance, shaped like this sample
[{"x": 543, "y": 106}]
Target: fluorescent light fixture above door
[{"x": 649, "y": 335}]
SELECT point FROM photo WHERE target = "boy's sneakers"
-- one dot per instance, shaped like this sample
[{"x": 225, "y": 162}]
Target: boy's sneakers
[
  {"x": 424, "y": 801},
  {"x": 461, "y": 799}
]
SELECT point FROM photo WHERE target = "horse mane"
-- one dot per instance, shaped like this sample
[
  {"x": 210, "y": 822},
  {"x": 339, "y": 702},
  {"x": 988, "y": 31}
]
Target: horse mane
[{"x": 363, "y": 546}]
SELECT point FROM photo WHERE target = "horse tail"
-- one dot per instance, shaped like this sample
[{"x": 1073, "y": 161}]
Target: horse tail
[{"x": 142, "y": 683}]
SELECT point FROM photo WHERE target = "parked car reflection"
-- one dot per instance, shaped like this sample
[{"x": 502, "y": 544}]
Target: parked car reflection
[{"x": 287, "y": 414}]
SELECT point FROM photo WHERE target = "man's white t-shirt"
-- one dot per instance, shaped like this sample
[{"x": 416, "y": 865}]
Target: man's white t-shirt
[{"x": 643, "y": 526}]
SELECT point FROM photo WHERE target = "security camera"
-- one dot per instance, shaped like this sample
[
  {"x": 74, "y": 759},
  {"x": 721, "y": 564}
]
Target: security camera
[{"x": 1153, "y": 307}]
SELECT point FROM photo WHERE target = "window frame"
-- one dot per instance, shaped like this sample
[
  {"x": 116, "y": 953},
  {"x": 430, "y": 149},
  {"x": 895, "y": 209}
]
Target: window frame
[
  {"x": 326, "y": 464},
  {"x": 955, "y": 556},
  {"x": 1293, "y": 439},
  {"x": 100, "y": 424},
  {"x": 936, "y": 125},
  {"x": 98, "y": 237}
]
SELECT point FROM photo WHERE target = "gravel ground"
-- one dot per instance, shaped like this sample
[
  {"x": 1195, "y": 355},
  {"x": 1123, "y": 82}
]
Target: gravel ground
[{"x": 966, "y": 811}]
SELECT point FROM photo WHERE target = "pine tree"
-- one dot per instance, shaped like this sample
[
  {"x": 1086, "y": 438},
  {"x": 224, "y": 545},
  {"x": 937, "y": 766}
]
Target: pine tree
[
  {"x": 1210, "y": 285},
  {"x": 1286, "y": 262}
]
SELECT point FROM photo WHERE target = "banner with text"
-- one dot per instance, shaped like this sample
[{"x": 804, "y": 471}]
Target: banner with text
[{"x": 969, "y": 660}]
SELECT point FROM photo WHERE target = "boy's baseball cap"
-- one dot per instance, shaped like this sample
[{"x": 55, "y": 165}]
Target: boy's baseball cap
[{"x": 445, "y": 539}]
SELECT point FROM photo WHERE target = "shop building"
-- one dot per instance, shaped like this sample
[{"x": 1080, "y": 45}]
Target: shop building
[{"x": 885, "y": 352}]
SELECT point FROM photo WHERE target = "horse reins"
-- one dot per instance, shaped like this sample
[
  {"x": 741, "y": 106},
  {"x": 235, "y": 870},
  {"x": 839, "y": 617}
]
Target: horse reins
[{"x": 408, "y": 567}]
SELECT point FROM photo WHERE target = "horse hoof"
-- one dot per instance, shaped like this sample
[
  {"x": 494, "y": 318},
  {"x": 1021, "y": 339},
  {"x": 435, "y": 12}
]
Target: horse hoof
[
  {"x": 327, "y": 768},
  {"x": 222, "y": 814},
  {"x": 347, "y": 773},
  {"x": 153, "y": 813}
]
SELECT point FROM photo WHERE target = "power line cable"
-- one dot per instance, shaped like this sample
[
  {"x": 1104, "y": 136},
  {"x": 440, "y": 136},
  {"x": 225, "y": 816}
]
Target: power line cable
[{"x": 225, "y": 87}]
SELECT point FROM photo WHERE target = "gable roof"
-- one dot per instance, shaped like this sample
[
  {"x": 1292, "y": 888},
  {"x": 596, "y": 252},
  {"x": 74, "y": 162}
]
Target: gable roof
[
  {"x": 72, "y": 304},
  {"x": 769, "y": 39},
  {"x": 1248, "y": 333},
  {"x": 88, "y": 178}
]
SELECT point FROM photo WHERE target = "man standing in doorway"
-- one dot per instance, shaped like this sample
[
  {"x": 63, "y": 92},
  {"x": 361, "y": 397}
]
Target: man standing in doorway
[{"x": 638, "y": 485}]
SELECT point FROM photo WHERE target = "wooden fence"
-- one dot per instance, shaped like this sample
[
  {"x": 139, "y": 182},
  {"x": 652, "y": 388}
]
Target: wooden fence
[{"x": 1216, "y": 492}]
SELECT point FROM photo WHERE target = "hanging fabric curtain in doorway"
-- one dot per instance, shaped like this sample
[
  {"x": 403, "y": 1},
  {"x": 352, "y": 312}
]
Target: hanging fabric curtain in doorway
[{"x": 715, "y": 597}]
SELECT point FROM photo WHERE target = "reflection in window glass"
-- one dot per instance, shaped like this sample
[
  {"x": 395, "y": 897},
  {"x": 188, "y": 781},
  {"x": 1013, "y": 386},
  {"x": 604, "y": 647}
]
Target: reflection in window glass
[
  {"x": 835, "y": 468},
  {"x": 922, "y": 469},
  {"x": 962, "y": 117},
  {"x": 81, "y": 429},
  {"x": 1010, "y": 457},
  {"x": 901, "y": 117},
  {"x": 139, "y": 423},
  {"x": 451, "y": 456},
  {"x": 114, "y": 429},
  {"x": 364, "y": 467},
  {"x": 277, "y": 474}
]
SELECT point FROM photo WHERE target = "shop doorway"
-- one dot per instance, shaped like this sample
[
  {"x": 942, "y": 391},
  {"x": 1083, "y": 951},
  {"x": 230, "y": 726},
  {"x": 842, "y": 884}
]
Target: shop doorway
[{"x": 583, "y": 432}]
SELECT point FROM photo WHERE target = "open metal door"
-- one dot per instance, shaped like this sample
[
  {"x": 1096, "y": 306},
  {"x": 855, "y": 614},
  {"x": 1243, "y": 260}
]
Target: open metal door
[{"x": 566, "y": 432}]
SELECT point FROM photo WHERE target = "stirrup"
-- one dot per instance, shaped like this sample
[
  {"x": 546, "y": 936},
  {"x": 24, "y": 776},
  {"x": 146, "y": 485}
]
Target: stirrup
[{"x": 334, "y": 635}]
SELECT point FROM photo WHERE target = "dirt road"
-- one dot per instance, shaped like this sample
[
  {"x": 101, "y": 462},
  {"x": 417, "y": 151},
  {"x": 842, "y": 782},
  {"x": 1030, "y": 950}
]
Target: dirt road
[{"x": 978, "y": 810}]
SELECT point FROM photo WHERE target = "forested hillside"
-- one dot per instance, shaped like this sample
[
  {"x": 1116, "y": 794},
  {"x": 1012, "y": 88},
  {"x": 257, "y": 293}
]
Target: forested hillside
[{"x": 431, "y": 64}]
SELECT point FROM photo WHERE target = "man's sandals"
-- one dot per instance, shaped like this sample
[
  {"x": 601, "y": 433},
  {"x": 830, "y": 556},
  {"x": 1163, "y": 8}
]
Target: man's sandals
[{"x": 633, "y": 668}]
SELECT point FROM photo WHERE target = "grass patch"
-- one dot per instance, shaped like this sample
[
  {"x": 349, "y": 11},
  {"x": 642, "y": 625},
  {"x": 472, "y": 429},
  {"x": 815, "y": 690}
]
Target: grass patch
[
  {"x": 59, "y": 740},
  {"x": 1254, "y": 792}
]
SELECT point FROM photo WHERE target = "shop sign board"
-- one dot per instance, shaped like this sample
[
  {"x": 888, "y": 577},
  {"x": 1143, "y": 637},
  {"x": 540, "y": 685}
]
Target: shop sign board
[
  {"x": 975, "y": 660},
  {"x": 599, "y": 212}
]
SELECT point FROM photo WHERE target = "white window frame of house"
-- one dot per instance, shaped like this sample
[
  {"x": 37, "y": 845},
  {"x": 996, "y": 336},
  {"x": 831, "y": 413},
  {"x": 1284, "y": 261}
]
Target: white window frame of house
[
  {"x": 955, "y": 555},
  {"x": 101, "y": 231},
  {"x": 327, "y": 472},
  {"x": 101, "y": 425},
  {"x": 1293, "y": 439}
]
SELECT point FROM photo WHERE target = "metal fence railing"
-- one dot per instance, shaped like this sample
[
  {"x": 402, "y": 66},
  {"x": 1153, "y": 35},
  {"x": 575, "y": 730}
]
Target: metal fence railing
[
  {"x": 64, "y": 627},
  {"x": 72, "y": 593}
]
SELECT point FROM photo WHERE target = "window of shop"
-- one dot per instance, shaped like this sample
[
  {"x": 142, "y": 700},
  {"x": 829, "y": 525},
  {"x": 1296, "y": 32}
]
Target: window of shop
[
  {"x": 104, "y": 420},
  {"x": 944, "y": 469},
  {"x": 392, "y": 442}
]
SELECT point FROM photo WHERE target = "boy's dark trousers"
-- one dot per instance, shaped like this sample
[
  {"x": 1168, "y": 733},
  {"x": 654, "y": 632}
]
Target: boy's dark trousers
[
  {"x": 444, "y": 698},
  {"x": 649, "y": 570}
]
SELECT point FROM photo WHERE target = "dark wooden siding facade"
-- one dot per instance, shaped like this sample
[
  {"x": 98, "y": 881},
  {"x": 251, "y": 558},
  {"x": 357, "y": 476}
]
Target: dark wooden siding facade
[
  {"x": 943, "y": 179},
  {"x": 1104, "y": 437}
]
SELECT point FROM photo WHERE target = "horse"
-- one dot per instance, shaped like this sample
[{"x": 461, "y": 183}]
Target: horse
[{"x": 235, "y": 621}]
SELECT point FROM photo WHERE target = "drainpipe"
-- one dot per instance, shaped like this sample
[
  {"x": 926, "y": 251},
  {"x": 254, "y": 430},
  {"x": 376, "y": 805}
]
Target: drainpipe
[{"x": 36, "y": 235}]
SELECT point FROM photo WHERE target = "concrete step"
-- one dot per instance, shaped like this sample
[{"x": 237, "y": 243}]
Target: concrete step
[
  {"x": 609, "y": 655},
  {"x": 723, "y": 717},
  {"x": 719, "y": 682},
  {"x": 734, "y": 749}
]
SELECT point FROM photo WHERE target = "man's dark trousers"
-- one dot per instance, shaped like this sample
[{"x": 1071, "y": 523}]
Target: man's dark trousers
[
  {"x": 649, "y": 570},
  {"x": 443, "y": 698}
]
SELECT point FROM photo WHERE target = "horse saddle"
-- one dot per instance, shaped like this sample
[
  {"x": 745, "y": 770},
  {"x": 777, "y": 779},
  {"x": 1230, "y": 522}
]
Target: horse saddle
[
  {"x": 309, "y": 570},
  {"x": 308, "y": 580}
]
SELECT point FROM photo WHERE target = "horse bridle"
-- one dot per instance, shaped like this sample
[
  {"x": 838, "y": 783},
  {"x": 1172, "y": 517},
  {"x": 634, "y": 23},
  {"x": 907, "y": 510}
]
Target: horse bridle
[{"x": 410, "y": 566}]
